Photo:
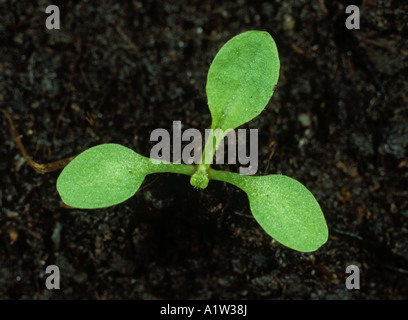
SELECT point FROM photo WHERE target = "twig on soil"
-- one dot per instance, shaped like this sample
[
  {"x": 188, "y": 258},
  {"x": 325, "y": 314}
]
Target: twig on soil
[
  {"x": 126, "y": 39},
  {"x": 396, "y": 269},
  {"x": 57, "y": 124},
  {"x": 148, "y": 185},
  {"x": 283, "y": 292},
  {"x": 272, "y": 146},
  {"x": 40, "y": 168},
  {"x": 85, "y": 78},
  {"x": 244, "y": 215},
  {"x": 380, "y": 44},
  {"x": 348, "y": 234}
]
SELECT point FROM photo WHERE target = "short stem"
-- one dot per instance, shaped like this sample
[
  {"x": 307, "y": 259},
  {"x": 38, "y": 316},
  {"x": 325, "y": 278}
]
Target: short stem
[
  {"x": 200, "y": 178},
  {"x": 208, "y": 153},
  {"x": 179, "y": 168},
  {"x": 233, "y": 178}
]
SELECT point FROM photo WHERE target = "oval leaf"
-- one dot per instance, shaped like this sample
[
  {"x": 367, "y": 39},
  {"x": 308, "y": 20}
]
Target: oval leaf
[
  {"x": 241, "y": 79},
  {"x": 102, "y": 176},
  {"x": 287, "y": 211}
]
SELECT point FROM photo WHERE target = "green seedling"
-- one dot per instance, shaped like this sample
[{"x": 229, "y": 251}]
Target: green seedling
[{"x": 240, "y": 83}]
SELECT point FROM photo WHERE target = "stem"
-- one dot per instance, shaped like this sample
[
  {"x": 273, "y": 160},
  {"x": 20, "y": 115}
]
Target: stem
[
  {"x": 200, "y": 174},
  {"x": 179, "y": 168},
  {"x": 208, "y": 153},
  {"x": 200, "y": 178},
  {"x": 233, "y": 178}
]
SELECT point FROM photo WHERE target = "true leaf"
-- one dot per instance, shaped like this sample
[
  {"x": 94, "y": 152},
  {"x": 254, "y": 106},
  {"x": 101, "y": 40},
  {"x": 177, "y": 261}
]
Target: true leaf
[
  {"x": 241, "y": 79},
  {"x": 102, "y": 176}
]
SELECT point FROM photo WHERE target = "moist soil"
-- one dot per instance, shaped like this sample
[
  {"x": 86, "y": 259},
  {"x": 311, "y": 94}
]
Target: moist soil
[{"x": 114, "y": 72}]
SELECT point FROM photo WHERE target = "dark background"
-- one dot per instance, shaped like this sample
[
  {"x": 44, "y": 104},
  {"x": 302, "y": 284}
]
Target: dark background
[{"x": 116, "y": 71}]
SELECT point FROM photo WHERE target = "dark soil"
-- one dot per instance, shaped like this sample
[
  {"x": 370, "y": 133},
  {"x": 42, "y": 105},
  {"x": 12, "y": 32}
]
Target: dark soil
[{"x": 114, "y": 72}]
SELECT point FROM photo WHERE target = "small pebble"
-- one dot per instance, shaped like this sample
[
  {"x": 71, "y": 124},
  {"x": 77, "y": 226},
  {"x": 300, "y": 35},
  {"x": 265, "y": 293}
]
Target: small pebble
[{"x": 304, "y": 120}]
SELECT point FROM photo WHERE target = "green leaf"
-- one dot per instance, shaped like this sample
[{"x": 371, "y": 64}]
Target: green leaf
[
  {"x": 241, "y": 79},
  {"x": 287, "y": 211},
  {"x": 284, "y": 208},
  {"x": 102, "y": 176}
]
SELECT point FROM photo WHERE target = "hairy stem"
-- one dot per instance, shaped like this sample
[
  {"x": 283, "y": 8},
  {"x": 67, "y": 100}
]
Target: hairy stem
[
  {"x": 233, "y": 178},
  {"x": 179, "y": 168}
]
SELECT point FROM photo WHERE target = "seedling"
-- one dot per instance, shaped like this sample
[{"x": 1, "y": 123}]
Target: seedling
[{"x": 240, "y": 83}]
